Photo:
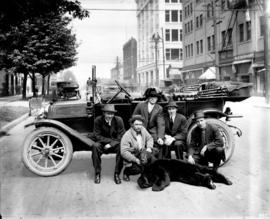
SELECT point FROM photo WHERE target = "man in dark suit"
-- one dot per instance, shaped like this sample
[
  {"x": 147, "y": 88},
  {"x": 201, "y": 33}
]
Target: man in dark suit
[
  {"x": 175, "y": 132},
  {"x": 152, "y": 113},
  {"x": 108, "y": 131},
  {"x": 206, "y": 143}
]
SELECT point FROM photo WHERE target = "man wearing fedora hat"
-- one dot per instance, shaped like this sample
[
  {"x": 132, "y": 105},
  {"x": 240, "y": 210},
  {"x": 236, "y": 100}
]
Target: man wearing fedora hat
[
  {"x": 133, "y": 142},
  {"x": 206, "y": 143},
  {"x": 108, "y": 131},
  {"x": 152, "y": 113},
  {"x": 175, "y": 132}
]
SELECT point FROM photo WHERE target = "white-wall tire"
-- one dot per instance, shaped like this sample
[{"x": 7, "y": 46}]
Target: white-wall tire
[{"x": 47, "y": 151}]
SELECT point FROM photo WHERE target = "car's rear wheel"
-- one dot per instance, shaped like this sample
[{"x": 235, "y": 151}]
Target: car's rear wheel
[
  {"x": 226, "y": 133},
  {"x": 47, "y": 151}
]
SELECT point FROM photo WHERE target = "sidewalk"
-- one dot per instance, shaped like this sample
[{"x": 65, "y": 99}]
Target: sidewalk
[
  {"x": 258, "y": 102},
  {"x": 13, "y": 101}
]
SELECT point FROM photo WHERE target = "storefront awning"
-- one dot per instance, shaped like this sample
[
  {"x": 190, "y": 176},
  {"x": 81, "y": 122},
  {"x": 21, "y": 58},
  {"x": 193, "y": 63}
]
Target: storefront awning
[
  {"x": 241, "y": 61},
  {"x": 210, "y": 73}
]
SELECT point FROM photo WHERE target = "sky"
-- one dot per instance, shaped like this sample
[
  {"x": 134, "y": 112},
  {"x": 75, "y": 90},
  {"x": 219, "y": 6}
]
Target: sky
[{"x": 102, "y": 35}]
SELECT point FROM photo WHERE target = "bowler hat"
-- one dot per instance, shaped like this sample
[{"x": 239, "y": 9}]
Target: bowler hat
[
  {"x": 171, "y": 104},
  {"x": 109, "y": 108},
  {"x": 198, "y": 115},
  {"x": 136, "y": 117}
]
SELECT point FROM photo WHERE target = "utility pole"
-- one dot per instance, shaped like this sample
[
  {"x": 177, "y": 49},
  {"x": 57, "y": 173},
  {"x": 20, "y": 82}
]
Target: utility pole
[
  {"x": 156, "y": 39},
  {"x": 218, "y": 77},
  {"x": 163, "y": 54},
  {"x": 266, "y": 52}
]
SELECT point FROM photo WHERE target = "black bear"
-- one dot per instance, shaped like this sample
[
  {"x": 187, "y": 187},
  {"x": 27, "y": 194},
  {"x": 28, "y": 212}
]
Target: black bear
[{"x": 159, "y": 173}]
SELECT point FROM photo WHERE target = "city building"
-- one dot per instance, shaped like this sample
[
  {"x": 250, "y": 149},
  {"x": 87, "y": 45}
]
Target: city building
[
  {"x": 117, "y": 71},
  {"x": 130, "y": 61},
  {"x": 224, "y": 38},
  {"x": 159, "y": 42}
]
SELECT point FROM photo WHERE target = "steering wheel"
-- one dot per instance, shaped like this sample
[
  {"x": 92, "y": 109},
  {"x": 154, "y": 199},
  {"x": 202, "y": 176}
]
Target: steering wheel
[{"x": 122, "y": 89}]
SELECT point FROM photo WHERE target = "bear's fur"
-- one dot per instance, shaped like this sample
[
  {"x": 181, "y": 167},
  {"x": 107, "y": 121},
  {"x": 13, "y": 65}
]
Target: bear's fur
[{"x": 159, "y": 173}]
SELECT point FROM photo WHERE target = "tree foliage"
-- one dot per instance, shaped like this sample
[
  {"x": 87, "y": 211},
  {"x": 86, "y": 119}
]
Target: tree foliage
[{"x": 37, "y": 39}]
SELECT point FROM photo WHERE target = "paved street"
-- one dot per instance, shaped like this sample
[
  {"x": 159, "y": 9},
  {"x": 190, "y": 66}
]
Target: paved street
[{"x": 73, "y": 193}]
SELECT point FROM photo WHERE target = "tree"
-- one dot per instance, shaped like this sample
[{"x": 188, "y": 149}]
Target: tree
[{"x": 38, "y": 39}]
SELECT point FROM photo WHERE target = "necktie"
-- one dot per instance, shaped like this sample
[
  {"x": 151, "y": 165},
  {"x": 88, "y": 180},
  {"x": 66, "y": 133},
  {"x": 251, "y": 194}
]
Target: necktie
[
  {"x": 203, "y": 137},
  {"x": 171, "y": 122}
]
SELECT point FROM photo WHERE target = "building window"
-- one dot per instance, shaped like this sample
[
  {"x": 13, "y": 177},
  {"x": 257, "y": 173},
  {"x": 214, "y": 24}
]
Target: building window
[
  {"x": 191, "y": 49},
  {"x": 174, "y": 16},
  {"x": 208, "y": 10},
  {"x": 181, "y": 34},
  {"x": 213, "y": 42},
  {"x": 230, "y": 36},
  {"x": 174, "y": 35},
  {"x": 167, "y": 1},
  {"x": 167, "y": 35},
  {"x": 172, "y": 54},
  {"x": 197, "y": 22},
  {"x": 181, "y": 54},
  {"x": 167, "y": 16},
  {"x": 209, "y": 43},
  {"x": 223, "y": 4},
  {"x": 201, "y": 20},
  {"x": 248, "y": 26},
  {"x": 201, "y": 45},
  {"x": 241, "y": 32},
  {"x": 223, "y": 35},
  {"x": 261, "y": 26},
  {"x": 174, "y": 1},
  {"x": 198, "y": 47},
  {"x": 191, "y": 25},
  {"x": 180, "y": 15},
  {"x": 191, "y": 9}
]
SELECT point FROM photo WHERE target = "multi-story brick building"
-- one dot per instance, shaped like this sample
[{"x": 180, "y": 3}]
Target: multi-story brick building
[
  {"x": 159, "y": 41},
  {"x": 237, "y": 44},
  {"x": 130, "y": 61}
]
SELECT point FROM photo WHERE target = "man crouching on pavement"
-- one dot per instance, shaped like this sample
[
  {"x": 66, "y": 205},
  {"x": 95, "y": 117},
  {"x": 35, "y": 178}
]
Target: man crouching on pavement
[
  {"x": 108, "y": 132},
  {"x": 132, "y": 143}
]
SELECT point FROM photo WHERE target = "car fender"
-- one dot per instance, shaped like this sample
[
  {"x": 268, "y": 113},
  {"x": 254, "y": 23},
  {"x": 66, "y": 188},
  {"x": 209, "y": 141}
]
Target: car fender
[{"x": 73, "y": 134}]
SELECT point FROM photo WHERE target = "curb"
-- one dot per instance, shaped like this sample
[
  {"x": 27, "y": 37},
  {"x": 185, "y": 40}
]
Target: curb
[{"x": 7, "y": 127}]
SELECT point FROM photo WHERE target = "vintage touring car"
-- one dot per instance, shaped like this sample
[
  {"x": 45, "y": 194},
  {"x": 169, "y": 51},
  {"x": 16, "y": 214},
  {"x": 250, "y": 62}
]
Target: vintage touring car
[{"x": 65, "y": 126}]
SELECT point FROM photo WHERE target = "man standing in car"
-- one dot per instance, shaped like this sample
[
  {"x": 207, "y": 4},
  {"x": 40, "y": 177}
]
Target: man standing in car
[
  {"x": 108, "y": 131},
  {"x": 152, "y": 113}
]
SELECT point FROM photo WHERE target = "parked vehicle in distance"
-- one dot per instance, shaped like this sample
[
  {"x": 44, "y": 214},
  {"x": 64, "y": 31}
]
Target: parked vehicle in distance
[{"x": 65, "y": 127}]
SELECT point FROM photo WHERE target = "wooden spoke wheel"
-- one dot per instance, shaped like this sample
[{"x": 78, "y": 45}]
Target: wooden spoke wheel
[{"x": 47, "y": 151}]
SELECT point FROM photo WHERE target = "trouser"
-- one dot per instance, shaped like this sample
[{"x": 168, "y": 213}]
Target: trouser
[
  {"x": 214, "y": 156},
  {"x": 98, "y": 150},
  {"x": 178, "y": 146}
]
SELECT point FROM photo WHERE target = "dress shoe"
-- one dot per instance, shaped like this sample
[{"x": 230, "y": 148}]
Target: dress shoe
[
  {"x": 97, "y": 178},
  {"x": 126, "y": 177},
  {"x": 117, "y": 179}
]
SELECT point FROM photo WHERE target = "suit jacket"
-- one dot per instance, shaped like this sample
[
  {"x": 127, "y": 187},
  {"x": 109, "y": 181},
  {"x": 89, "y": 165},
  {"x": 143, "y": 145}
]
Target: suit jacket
[
  {"x": 154, "y": 124},
  {"x": 213, "y": 139},
  {"x": 179, "y": 128},
  {"x": 106, "y": 134}
]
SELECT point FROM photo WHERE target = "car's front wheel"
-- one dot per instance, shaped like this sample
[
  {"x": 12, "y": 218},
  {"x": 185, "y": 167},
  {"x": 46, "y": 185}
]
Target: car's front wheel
[{"x": 47, "y": 151}]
